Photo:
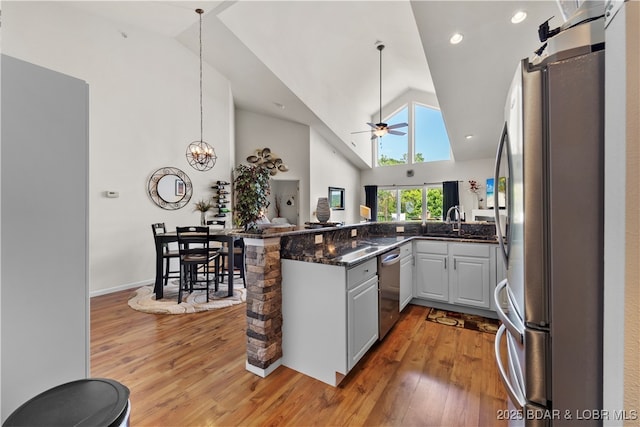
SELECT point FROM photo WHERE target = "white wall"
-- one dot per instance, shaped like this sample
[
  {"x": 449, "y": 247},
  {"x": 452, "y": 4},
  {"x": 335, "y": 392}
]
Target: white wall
[
  {"x": 287, "y": 139},
  {"x": 621, "y": 297},
  {"x": 435, "y": 172},
  {"x": 144, "y": 112},
  {"x": 328, "y": 168}
]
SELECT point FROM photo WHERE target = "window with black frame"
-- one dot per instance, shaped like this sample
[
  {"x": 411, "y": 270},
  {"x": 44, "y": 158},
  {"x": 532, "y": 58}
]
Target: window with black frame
[{"x": 336, "y": 198}]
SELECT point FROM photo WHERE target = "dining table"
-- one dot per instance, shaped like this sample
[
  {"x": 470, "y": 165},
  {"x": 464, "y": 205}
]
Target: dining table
[{"x": 226, "y": 235}]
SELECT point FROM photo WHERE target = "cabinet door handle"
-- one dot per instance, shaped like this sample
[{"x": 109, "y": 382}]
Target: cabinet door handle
[
  {"x": 445, "y": 263},
  {"x": 454, "y": 263}
]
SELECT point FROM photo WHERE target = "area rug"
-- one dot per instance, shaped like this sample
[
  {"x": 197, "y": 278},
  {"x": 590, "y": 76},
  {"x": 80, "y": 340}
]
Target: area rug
[
  {"x": 145, "y": 300},
  {"x": 463, "y": 320}
]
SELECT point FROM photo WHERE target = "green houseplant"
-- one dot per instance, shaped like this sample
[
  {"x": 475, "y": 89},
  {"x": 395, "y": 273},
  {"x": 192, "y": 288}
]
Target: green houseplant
[{"x": 251, "y": 186}]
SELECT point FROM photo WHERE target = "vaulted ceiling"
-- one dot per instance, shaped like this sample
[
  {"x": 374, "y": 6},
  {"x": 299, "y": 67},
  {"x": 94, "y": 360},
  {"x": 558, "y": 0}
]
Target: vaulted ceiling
[{"x": 315, "y": 62}]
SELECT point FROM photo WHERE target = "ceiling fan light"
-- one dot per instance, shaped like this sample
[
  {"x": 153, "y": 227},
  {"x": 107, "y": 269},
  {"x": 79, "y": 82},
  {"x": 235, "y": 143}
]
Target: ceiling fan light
[{"x": 380, "y": 132}]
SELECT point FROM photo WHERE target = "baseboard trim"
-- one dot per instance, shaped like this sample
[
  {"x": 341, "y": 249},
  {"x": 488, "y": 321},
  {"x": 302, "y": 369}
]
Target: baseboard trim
[
  {"x": 124, "y": 287},
  {"x": 453, "y": 307},
  {"x": 263, "y": 372}
]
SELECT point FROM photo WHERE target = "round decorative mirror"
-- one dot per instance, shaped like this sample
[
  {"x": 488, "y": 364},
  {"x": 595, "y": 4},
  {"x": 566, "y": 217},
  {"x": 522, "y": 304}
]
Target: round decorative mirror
[{"x": 170, "y": 188}]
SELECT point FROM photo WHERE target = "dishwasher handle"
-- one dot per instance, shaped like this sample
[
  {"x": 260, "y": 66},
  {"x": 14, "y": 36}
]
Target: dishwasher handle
[{"x": 390, "y": 259}]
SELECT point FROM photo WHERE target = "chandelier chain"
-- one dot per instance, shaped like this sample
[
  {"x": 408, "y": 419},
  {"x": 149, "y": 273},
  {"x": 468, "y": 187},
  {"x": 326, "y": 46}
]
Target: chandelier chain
[{"x": 201, "y": 120}]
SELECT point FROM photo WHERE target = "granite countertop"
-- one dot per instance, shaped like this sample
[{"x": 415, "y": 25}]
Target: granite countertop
[
  {"x": 348, "y": 245},
  {"x": 365, "y": 249}
]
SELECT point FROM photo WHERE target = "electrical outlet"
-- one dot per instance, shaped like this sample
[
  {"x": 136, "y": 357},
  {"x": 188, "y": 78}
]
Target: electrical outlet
[
  {"x": 400, "y": 229},
  {"x": 353, "y": 244},
  {"x": 354, "y": 232},
  {"x": 318, "y": 239}
]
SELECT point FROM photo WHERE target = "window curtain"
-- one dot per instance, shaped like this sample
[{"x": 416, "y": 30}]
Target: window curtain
[
  {"x": 371, "y": 200},
  {"x": 450, "y": 196}
]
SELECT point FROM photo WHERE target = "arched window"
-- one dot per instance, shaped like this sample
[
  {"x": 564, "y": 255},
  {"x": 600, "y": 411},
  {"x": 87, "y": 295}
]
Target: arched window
[
  {"x": 431, "y": 141},
  {"x": 426, "y": 138},
  {"x": 393, "y": 149}
]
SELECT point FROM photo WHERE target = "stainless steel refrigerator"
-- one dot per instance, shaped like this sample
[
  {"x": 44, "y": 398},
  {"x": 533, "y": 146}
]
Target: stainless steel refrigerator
[{"x": 551, "y": 153}]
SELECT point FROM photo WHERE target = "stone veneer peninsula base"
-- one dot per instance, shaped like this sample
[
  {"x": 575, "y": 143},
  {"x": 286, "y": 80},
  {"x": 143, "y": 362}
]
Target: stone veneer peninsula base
[{"x": 264, "y": 305}]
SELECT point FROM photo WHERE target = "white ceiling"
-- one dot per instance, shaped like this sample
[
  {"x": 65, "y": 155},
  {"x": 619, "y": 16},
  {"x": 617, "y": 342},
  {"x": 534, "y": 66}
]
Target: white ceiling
[{"x": 318, "y": 58}]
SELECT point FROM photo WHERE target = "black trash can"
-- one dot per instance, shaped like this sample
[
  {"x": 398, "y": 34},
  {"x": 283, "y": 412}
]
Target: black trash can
[{"x": 96, "y": 402}]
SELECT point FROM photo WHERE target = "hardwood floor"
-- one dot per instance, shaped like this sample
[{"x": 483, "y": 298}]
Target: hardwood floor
[{"x": 189, "y": 370}]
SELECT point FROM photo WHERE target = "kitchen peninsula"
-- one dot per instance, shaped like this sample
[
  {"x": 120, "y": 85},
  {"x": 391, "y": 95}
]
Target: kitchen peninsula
[{"x": 299, "y": 283}]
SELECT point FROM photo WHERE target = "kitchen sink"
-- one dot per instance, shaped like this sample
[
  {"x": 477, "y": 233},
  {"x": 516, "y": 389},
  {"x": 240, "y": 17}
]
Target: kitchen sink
[{"x": 359, "y": 253}]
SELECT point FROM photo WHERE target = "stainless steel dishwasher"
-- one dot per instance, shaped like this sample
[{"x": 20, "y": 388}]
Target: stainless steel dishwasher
[{"x": 388, "y": 291}]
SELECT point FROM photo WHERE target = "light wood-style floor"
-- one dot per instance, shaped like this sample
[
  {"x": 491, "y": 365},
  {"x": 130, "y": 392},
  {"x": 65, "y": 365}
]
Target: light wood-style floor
[{"x": 189, "y": 370}]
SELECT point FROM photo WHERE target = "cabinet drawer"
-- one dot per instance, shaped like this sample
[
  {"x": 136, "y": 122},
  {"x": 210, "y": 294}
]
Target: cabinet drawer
[
  {"x": 405, "y": 250},
  {"x": 470, "y": 249},
  {"x": 362, "y": 272},
  {"x": 431, "y": 247}
]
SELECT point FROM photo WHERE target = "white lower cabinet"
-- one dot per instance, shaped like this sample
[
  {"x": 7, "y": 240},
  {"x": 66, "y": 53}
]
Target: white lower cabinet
[
  {"x": 362, "y": 319},
  {"x": 406, "y": 275},
  {"x": 455, "y": 273},
  {"x": 432, "y": 277},
  {"x": 329, "y": 317}
]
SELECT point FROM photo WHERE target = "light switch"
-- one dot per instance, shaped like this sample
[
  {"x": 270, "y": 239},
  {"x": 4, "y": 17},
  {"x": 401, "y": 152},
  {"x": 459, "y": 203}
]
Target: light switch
[
  {"x": 318, "y": 239},
  {"x": 400, "y": 229},
  {"x": 354, "y": 232}
]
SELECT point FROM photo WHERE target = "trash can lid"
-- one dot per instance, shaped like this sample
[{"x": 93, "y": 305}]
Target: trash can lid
[{"x": 87, "y": 402}]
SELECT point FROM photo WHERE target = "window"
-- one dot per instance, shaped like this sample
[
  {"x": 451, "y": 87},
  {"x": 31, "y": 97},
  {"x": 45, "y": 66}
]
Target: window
[
  {"x": 392, "y": 149},
  {"x": 426, "y": 138},
  {"x": 406, "y": 203},
  {"x": 430, "y": 136}
]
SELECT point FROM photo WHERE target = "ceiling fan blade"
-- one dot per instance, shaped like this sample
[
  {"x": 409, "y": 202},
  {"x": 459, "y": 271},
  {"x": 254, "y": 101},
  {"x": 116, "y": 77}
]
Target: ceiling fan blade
[
  {"x": 362, "y": 131},
  {"x": 373, "y": 136},
  {"x": 395, "y": 132},
  {"x": 398, "y": 125},
  {"x": 372, "y": 125}
]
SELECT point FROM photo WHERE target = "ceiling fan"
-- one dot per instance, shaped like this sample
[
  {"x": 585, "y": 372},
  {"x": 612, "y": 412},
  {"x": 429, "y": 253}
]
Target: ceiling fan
[{"x": 380, "y": 129}]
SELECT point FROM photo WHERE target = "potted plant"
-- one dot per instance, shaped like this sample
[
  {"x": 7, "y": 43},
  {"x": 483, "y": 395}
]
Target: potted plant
[
  {"x": 203, "y": 206},
  {"x": 252, "y": 188}
]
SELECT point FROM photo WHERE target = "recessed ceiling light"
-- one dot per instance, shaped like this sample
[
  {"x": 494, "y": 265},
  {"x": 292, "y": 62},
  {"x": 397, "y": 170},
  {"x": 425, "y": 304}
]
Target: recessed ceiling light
[
  {"x": 456, "y": 38},
  {"x": 518, "y": 17},
  {"x": 468, "y": 136}
]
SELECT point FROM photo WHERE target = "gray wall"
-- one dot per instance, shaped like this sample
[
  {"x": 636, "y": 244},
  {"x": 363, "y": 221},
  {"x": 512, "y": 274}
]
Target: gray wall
[{"x": 44, "y": 316}]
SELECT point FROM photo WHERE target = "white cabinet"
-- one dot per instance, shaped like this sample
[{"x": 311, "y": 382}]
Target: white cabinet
[
  {"x": 362, "y": 319},
  {"x": 406, "y": 275},
  {"x": 432, "y": 276},
  {"x": 469, "y": 276},
  {"x": 329, "y": 317},
  {"x": 455, "y": 273}
]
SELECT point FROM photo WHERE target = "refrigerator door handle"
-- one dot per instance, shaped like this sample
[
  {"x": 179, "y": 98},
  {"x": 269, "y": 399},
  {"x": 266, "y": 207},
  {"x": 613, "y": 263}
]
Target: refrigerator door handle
[
  {"x": 506, "y": 321},
  {"x": 496, "y": 177},
  {"x": 515, "y": 397}
]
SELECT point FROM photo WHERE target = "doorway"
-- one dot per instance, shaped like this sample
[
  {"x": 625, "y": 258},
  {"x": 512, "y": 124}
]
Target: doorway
[{"x": 284, "y": 201}]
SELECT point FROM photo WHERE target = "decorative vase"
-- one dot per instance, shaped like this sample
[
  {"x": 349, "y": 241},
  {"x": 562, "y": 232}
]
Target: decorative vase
[
  {"x": 323, "y": 212},
  {"x": 203, "y": 220}
]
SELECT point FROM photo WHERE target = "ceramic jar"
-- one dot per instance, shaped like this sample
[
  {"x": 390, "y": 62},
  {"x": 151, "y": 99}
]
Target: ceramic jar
[{"x": 323, "y": 212}]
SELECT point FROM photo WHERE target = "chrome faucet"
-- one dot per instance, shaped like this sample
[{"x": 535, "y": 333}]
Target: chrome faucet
[{"x": 456, "y": 225}]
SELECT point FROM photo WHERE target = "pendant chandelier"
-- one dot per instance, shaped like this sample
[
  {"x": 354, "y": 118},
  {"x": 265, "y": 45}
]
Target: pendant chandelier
[{"x": 200, "y": 155}]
